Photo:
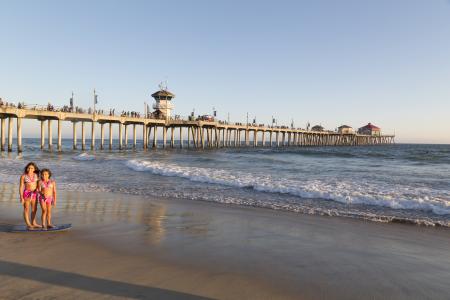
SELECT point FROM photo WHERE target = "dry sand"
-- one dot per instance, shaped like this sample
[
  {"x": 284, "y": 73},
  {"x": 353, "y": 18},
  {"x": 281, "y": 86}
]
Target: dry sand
[{"x": 129, "y": 247}]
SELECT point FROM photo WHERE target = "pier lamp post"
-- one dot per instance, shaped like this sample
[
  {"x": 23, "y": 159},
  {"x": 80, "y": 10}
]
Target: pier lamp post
[{"x": 71, "y": 103}]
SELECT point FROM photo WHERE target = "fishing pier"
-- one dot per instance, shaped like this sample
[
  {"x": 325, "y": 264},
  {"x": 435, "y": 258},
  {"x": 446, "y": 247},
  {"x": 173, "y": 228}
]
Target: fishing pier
[
  {"x": 196, "y": 134},
  {"x": 199, "y": 134}
]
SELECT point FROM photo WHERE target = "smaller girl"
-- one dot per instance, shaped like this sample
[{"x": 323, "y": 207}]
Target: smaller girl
[{"x": 47, "y": 189}]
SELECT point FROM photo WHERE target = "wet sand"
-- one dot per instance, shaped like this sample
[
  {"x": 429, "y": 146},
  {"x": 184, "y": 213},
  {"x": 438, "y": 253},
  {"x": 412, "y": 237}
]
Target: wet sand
[{"x": 130, "y": 247}]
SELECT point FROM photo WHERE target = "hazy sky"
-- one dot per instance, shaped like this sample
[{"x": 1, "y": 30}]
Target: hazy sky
[{"x": 326, "y": 62}]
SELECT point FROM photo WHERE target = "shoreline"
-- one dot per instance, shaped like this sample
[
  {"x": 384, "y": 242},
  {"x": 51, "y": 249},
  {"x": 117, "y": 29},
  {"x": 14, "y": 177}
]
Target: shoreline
[{"x": 226, "y": 252}]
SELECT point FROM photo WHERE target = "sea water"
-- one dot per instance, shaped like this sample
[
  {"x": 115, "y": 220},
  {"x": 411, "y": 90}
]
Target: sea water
[{"x": 391, "y": 183}]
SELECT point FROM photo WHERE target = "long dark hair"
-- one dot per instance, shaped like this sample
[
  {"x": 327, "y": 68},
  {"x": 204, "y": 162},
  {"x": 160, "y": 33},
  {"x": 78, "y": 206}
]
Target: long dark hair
[{"x": 36, "y": 169}]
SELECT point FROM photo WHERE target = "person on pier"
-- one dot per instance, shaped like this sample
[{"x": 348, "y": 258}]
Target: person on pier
[{"x": 28, "y": 194}]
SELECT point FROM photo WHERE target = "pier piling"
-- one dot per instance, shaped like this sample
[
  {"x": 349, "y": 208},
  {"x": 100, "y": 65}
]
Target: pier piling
[
  {"x": 74, "y": 125},
  {"x": 59, "y": 135},
  {"x": 42, "y": 134},
  {"x": 2, "y": 144},
  {"x": 102, "y": 136},
  {"x": 83, "y": 136},
  {"x": 110, "y": 136},
  {"x": 50, "y": 135},
  {"x": 120, "y": 136},
  {"x": 134, "y": 136},
  {"x": 19, "y": 134},
  {"x": 10, "y": 134}
]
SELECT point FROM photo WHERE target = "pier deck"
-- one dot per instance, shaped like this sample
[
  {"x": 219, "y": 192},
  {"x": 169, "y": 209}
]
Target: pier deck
[{"x": 199, "y": 134}]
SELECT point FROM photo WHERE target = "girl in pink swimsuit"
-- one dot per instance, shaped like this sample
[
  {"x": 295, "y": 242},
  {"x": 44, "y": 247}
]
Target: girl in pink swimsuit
[
  {"x": 28, "y": 194},
  {"x": 47, "y": 191}
]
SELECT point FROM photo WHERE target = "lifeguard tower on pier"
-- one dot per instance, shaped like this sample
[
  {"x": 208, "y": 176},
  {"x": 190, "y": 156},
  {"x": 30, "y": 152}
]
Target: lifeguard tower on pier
[{"x": 163, "y": 106}]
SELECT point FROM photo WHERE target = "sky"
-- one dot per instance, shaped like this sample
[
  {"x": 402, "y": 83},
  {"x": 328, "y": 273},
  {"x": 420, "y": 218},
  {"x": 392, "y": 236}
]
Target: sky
[{"x": 324, "y": 62}]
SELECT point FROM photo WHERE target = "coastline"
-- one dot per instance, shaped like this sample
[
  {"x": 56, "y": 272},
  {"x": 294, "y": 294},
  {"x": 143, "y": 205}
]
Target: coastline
[{"x": 143, "y": 247}]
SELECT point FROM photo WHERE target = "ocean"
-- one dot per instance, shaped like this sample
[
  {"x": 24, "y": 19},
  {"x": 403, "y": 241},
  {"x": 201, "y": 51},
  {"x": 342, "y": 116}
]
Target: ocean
[{"x": 393, "y": 183}]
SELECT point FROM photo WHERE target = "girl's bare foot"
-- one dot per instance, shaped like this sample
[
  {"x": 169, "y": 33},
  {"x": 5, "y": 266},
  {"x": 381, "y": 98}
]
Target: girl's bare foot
[
  {"x": 50, "y": 225},
  {"x": 36, "y": 225},
  {"x": 30, "y": 227}
]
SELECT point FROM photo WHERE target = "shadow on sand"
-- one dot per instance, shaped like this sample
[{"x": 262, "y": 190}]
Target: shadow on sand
[{"x": 89, "y": 284}]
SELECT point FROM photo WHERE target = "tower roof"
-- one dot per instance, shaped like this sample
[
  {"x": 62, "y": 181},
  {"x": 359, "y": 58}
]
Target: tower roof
[
  {"x": 371, "y": 127},
  {"x": 163, "y": 93}
]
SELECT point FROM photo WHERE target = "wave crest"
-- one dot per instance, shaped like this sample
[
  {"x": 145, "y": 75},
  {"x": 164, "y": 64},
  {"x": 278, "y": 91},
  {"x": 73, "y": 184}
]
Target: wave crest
[{"x": 336, "y": 189}]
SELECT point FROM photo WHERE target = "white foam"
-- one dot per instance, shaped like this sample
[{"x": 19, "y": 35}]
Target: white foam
[
  {"x": 337, "y": 189},
  {"x": 84, "y": 157}
]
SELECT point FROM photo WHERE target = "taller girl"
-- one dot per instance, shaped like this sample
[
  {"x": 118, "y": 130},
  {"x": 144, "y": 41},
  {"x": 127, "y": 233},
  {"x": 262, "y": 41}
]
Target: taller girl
[{"x": 28, "y": 194}]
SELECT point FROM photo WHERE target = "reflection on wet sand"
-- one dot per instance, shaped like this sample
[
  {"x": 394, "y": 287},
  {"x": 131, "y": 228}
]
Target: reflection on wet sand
[{"x": 117, "y": 212}]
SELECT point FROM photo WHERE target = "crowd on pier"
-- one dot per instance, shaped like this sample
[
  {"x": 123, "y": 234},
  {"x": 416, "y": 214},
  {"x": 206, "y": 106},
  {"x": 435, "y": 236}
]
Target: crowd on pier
[{"x": 132, "y": 114}]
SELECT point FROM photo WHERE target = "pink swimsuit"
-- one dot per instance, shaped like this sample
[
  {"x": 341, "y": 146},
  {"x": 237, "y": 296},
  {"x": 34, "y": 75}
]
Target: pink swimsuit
[
  {"x": 47, "y": 185},
  {"x": 27, "y": 194}
]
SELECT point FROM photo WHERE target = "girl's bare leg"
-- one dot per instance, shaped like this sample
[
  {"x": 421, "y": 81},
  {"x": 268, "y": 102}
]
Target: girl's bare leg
[
  {"x": 44, "y": 214},
  {"x": 34, "y": 207},
  {"x": 26, "y": 212},
  {"x": 49, "y": 215}
]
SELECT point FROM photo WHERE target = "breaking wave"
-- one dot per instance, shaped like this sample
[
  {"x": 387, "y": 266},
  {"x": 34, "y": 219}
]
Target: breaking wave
[{"x": 336, "y": 189}]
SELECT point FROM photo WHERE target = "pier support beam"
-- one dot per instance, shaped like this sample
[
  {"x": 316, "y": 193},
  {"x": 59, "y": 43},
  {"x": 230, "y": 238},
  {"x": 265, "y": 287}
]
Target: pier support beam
[
  {"x": 92, "y": 135},
  {"x": 50, "y": 135},
  {"x": 10, "y": 133},
  {"x": 83, "y": 136},
  {"x": 155, "y": 132},
  {"x": 263, "y": 138},
  {"x": 149, "y": 135},
  {"x": 110, "y": 136},
  {"x": 255, "y": 138},
  {"x": 164, "y": 136},
  {"x": 42, "y": 134},
  {"x": 189, "y": 136},
  {"x": 19, "y": 134},
  {"x": 102, "y": 135},
  {"x": 134, "y": 136},
  {"x": 193, "y": 131},
  {"x": 202, "y": 137},
  {"x": 59, "y": 135},
  {"x": 2, "y": 145},
  {"x": 181, "y": 137},
  {"x": 144, "y": 136},
  {"x": 74, "y": 124},
  {"x": 126, "y": 135},
  {"x": 120, "y": 135},
  {"x": 172, "y": 136}
]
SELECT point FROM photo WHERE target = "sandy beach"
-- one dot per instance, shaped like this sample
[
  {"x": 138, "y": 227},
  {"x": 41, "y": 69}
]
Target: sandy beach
[{"x": 123, "y": 246}]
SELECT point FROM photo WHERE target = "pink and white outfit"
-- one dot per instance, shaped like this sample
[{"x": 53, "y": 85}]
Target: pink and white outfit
[
  {"x": 28, "y": 194},
  {"x": 46, "y": 185}
]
